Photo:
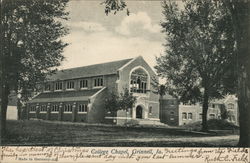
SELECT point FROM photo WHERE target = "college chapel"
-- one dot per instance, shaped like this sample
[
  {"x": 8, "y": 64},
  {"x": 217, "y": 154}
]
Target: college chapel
[{"x": 78, "y": 94}]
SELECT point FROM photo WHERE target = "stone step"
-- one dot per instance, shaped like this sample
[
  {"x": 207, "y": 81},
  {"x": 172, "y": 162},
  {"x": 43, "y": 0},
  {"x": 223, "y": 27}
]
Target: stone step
[{"x": 149, "y": 122}]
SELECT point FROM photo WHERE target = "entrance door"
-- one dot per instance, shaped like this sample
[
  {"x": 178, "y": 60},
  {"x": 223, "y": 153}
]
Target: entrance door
[{"x": 139, "y": 112}]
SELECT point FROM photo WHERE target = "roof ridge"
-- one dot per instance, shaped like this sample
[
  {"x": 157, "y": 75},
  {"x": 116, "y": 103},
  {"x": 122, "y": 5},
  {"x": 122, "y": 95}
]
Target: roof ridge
[{"x": 95, "y": 64}]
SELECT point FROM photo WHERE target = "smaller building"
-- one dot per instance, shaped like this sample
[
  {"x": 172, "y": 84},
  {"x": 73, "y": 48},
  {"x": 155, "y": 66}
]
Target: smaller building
[{"x": 175, "y": 114}]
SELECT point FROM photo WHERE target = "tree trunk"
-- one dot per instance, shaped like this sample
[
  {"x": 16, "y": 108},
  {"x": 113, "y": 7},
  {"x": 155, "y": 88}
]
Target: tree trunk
[
  {"x": 204, "y": 111},
  {"x": 244, "y": 94},
  {"x": 240, "y": 16},
  {"x": 244, "y": 108},
  {"x": 4, "y": 104}
]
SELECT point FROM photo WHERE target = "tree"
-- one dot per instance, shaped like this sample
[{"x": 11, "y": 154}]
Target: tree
[
  {"x": 240, "y": 13},
  {"x": 127, "y": 100},
  {"x": 114, "y": 103},
  {"x": 115, "y": 6},
  {"x": 31, "y": 47},
  {"x": 199, "y": 51}
]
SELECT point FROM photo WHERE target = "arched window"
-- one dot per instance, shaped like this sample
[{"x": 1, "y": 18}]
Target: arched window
[{"x": 138, "y": 81}]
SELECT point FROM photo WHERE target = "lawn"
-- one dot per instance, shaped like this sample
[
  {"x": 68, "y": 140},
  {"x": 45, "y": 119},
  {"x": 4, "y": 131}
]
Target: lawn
[{"x": 46, "y": 133}]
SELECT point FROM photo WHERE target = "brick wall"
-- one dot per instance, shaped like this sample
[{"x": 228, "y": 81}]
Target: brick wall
[{"x": 169, "y": 111}]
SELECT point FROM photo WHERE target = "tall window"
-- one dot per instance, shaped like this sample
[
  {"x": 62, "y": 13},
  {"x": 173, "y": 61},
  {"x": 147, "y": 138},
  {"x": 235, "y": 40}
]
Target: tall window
[
  {"x": 58, "y": 86},
  {"x": 68, "y": 108},
  {"x": 33, "y": 109},
  {"x": 83, "y": 108},
  {"x": 184, "y": 115},
  {"x": 98, "y": 82},
  {"x": 47, "y": 87},
  {"x": 190, "y": 116},
  {"x": 43, "y": 108},
  {"x": 138, "y": 82},
  {"x": 55, "y": 108},
  {"x": 150, "y": 110},
  {"x": 83, "y": 83},
  {"x": 70, "y": 85}
]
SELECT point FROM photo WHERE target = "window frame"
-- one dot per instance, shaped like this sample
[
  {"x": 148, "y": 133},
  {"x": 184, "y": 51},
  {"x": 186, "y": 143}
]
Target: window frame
[
  {"x": 150, "y": 110},
  {"x": 60, "y": 85},
  {"x": 82, "y": 109},
  {"x": 45, "y": 87},
  {"x": 230, "y": 106},
  {"x": 200, "y": 115},
  {"x": 68, "y": 109},
  {"x": 83, "y": 84},
  {"x": 43, "y": 109},
  {"x": 56, "y": 106},
  {"x": 98, "y": 82},
  {"x": 32, "y": 109},
  {"x": 184, "y": 117},
  {"x": 190, "y": 116},
  {"x": 70, "y": 85}
]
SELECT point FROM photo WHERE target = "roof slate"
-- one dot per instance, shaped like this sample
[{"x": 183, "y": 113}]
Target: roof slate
[
  {"x": 89, "y": 71},
  {"x": 82, "y": 95}
]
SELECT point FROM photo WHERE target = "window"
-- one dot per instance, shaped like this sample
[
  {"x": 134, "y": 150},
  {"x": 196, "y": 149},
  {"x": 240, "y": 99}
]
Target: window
[
  {"x": 70, "y": 85},
  {"x": 83, "y": 108},
  {"x": 211, "y": 116},
  {"x": 171, "y": 115},
  {"x": 47, "y": 87},
  {"x": 190, "y": 116},
  {"x": 58, "y": 86},
  {"x": 43, "y": 108},
  {"x": 200, "y": 116},
  {"x": 68, "y": 108},
  {"x": 138, "y": 82},
  {"x": 213, "y": 105},
  {"x": 230, "y": 106},
  {"x": 184, "y": 115},
  {"x": 55, "y": 108},
  {"x": 150, "y": 110},
  {"x": 33, "y": 109},
  {"x": 171, "y": 102},
  {"x": 83, "y": 83},
  {"x": 98, "y": 82},
  {"x": 231, "y": 118}
]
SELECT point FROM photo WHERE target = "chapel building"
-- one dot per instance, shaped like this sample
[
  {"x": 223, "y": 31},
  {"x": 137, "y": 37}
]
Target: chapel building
[{"x": 78, "y": 94}]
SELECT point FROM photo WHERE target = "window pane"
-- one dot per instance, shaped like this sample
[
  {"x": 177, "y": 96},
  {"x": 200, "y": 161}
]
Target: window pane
[{"x": 184, "y": 115}]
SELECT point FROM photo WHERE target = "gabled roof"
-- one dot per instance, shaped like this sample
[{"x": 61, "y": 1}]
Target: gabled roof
[
  {"x": 64, "y": 96},
  {"x": 89, "y": 71}
]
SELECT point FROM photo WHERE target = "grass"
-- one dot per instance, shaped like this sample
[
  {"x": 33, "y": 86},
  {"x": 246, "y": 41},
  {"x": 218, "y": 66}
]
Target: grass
[
  {"x": 46, "y": 133},
  {"x": 219, "y": 125}
]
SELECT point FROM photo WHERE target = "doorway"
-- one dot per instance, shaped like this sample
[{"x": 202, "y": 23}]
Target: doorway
[{"x": 139, "y": 112}]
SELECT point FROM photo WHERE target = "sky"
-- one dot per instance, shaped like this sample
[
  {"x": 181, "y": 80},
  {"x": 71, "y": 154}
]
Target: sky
[{"x": 95, "y": 37}]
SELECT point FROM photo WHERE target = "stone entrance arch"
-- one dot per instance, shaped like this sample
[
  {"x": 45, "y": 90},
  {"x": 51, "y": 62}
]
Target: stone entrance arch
[{"x": 139, "y": 110}]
